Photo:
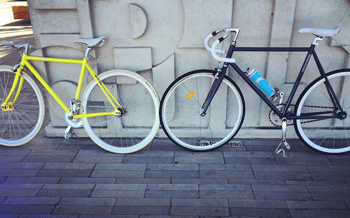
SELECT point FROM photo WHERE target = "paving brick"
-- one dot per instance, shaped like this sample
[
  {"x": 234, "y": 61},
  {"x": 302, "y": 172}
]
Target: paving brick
[
  {"x": 109, "y": 166},
  {"x": 214, "y": 194},
  {"x": 255, "y": 181},
  {"x": 170, "y": 187},
  {"x": 340, "y": 189},
  {"x": 83, "y": 210},
  {"x": 172, "y": 194},
  {"x": 316, "y": 205},
  {"x": 313, "y": 182},
  {"x": 111, "y": 216},
  {"x": 143, "y": 180},
  {"x": 340, "y": 161},
  {"x": 242, "y": 203},
  {"x": 63, "y": 173},
  {"x": 260, "y": 212},
  {"x": 321, "y": 213},
  {"x": 10, "y": 215},
  {"x": 224, "y": 167},
  {"x": 214, "y": 174},
  {"x": 99, "y": 152},
  {"x": 199, "y": 203},
  {"x": 185, "y": 157},
  {"x": 18, "y": 192},
  {"x": 68, "y": 186},
  {"x": 199, "y": 181},
  {"x": 148, "y": 160},
  {"x": 224, "y": 187},
  {"x": 12, "y": 158},
  {"x": 15, "y": 152},
  {"x": 53, "y": 152},
  {"x": 140, "y": 210},
  {"x": 172, "y": 174},
  {"x": 32, "y": 180},
  {"x": 102, "y": 193},
  {"x": 136, "y": 202},
  {"x": 32, "y": 200},
  {"x": 280, "y": 188},
  {"x": 118, "y": 173},
  {"x": 20, "y": 165},
  {"x": 200, "y": 211},
  {"x": 119, "y": 190},
  {"x": 64, "y": 193},
  {"x": 97, "y": 156},
  {"x": 326, "y": 196},
  {"x": 122, "y": 187},
  {"x": 81, "y": 180},
  {"x": 49, "y": 158},
  {"x": 250, "y": 154},
  {"x": 17, "y": 172},
  {"x": 66, "y": 201},
  {"x": 282, "y": 176},
  {"x": 172, "y": 167},
  {"x": 47, "y": 216},
  {"x": 280, "y": 168},
  {"x": 301, "y": 196},
  {"x": 68, "y": 166},
  {"x": 152, "y": 154},
  {"x": 302, "y": 158},
  {"x": 19, "y": 209},
  {"x": 250, "y": 160},
  {"x": 98, "y": 159}
]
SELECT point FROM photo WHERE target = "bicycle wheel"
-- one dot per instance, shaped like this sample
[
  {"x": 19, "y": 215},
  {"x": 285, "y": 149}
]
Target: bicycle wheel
[
  {"x": 181, "y": 111},
  {"x": 326, "y": 135},
  {"x": 139, "y": 103},
  {"x": 23, "y": 122}
]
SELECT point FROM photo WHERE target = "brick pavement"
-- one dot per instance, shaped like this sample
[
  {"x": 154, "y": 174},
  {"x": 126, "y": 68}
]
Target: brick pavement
[{"x": 53, "y": 177}]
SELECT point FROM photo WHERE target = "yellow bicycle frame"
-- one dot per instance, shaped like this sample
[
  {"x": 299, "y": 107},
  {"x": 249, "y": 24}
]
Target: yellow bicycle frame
[{"x": 6, "y": 105}]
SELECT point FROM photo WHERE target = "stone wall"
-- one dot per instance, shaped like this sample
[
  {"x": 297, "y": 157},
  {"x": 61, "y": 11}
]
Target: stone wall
[{"x": 164, "y": 39}]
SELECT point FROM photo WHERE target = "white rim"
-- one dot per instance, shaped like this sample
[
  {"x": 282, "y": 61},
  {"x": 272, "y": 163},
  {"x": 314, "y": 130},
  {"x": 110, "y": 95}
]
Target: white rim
[
  {"x": 303, "y": 135},
  {"x": 154, "y": 129},
  {"x": 38, "y": 125}
]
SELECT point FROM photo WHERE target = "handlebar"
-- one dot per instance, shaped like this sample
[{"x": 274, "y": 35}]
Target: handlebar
[
  {"x": 213, "y": 49},
  {"x": 9, "y": 44}
]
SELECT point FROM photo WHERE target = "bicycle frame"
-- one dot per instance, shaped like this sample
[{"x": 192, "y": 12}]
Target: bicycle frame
[
  {"x": 282, "y": 114},
  {"x": 25, "y": 62}
]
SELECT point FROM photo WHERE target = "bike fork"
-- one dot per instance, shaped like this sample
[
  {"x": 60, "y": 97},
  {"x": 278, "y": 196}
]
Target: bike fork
[{"x": 219, "y": 76}]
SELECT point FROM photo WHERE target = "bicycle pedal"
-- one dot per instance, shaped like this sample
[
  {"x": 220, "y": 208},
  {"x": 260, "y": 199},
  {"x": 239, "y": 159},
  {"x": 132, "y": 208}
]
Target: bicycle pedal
[{"x": 68, "y": 129}]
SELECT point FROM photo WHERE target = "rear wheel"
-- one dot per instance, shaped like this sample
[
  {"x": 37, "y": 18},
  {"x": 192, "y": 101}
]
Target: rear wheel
[
  {"x": 139, "y": 102},
  {"x": 325, "y": 135}
]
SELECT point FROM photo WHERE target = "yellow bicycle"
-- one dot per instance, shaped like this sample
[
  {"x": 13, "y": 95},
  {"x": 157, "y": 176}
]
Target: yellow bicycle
[{"x": 119, "y": 109}]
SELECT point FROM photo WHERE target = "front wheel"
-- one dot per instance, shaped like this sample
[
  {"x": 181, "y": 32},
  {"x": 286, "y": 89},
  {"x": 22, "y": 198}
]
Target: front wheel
[
  {"x": 139, "y": 104},
  {"x": 325, "y": 135},
  {"x": 22, "y": 121},
  {"x": 181, "y": 111}
]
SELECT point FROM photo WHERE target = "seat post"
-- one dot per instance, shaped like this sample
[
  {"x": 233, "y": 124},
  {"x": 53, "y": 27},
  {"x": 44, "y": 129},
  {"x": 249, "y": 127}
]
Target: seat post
[
  {"x": 87, "y": 51},
  {"x": 316, "y": 40}
]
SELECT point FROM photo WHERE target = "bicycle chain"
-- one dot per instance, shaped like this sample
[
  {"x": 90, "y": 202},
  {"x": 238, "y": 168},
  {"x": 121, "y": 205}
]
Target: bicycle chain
[{"x": 310, "y": 121}]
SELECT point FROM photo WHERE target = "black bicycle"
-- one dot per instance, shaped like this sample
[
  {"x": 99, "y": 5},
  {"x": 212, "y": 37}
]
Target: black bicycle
[{"x": 204, "y": 109}]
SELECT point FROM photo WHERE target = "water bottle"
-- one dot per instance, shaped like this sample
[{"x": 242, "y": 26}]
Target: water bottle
[{"x": 256, "y": 77}]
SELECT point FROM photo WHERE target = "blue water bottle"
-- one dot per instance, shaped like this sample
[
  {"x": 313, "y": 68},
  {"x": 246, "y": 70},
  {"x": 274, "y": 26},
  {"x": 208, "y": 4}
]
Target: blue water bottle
[{"x": 256, "y": 77}]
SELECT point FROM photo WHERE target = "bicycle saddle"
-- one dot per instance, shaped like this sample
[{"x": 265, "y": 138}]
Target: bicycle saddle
[
  {"x": 90, "y": 43},
  {"x": 321, "y": 32}
]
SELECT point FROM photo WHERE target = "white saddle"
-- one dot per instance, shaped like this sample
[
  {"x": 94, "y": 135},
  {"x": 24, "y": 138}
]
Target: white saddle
[
  {"x": 90, "y": 43},
  {"x": 321, "y": 32}
]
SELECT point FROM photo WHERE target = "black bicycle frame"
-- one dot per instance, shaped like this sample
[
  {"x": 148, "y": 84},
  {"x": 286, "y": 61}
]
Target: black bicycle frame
[{"x": 282, "y": 114}]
